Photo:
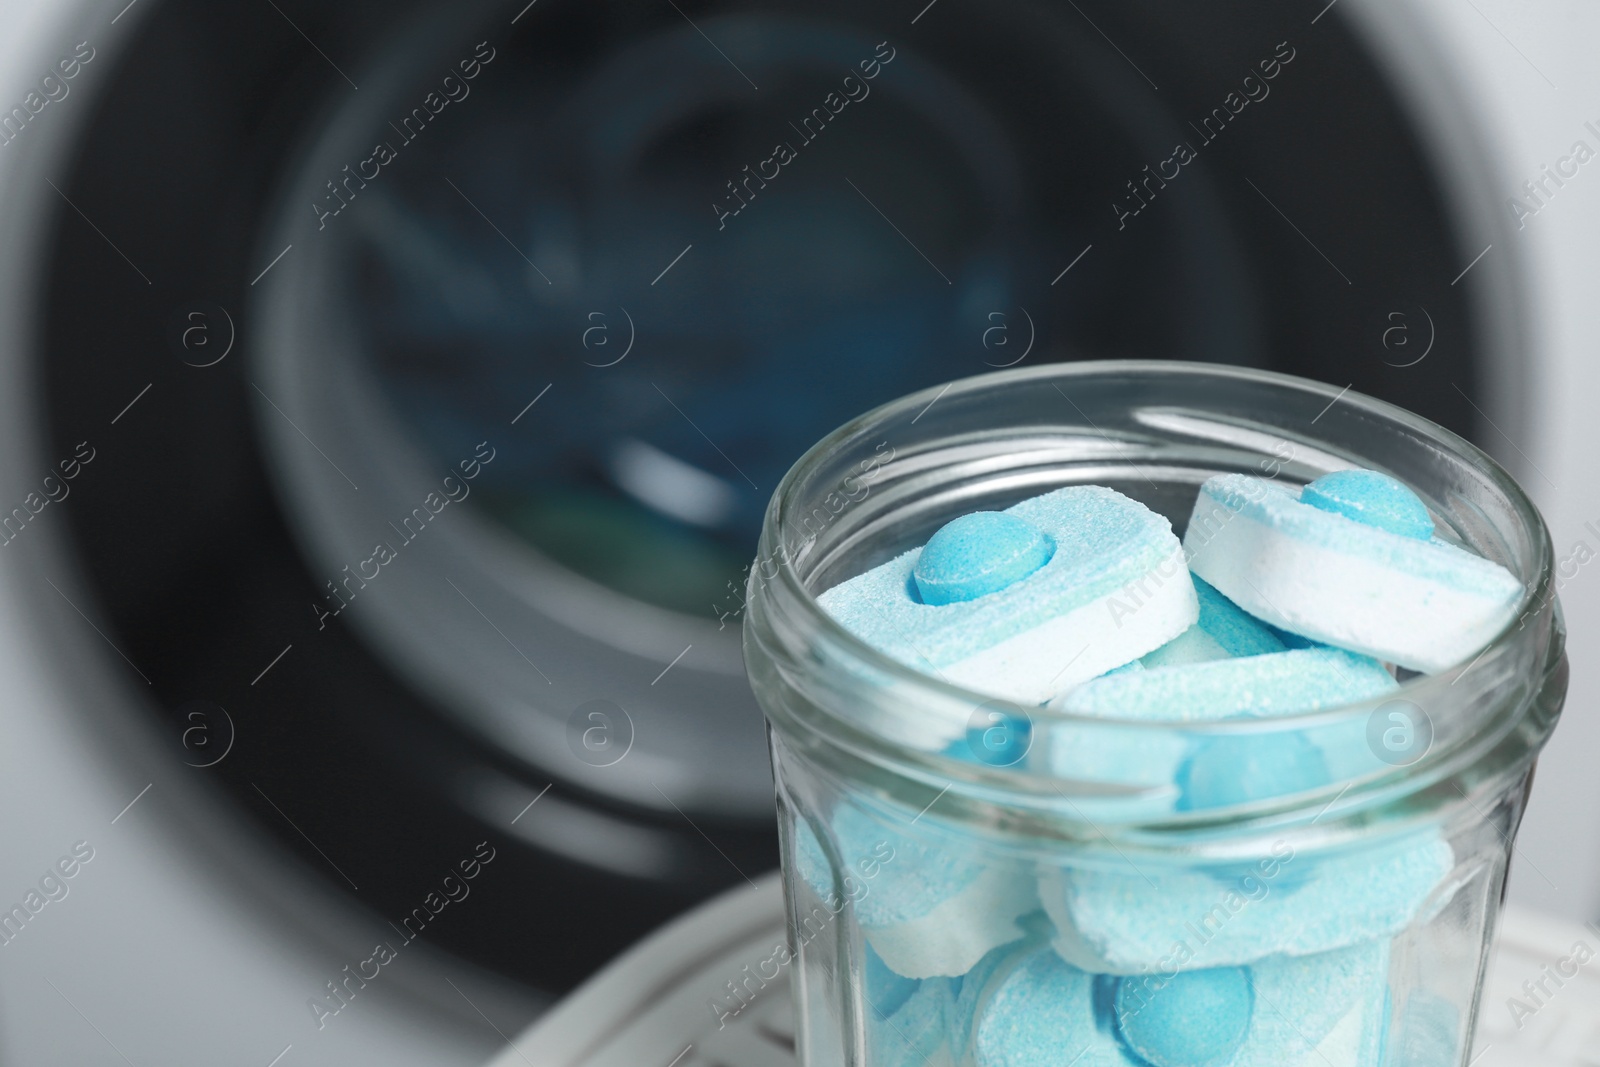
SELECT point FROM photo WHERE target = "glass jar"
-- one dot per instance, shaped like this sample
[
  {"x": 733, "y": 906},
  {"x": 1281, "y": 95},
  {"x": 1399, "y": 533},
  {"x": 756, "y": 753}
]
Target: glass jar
[{"x": 973, "y": 882}]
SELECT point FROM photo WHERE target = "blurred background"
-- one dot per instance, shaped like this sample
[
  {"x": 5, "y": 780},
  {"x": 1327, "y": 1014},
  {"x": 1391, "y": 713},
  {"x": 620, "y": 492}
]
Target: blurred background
[{"x": 392, "y": 392}]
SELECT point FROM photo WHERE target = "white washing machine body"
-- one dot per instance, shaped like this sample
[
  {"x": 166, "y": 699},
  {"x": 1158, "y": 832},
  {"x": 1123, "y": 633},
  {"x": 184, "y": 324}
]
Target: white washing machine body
[
  {"x": 182, "y": 937},
  {"x": 177, "y": 940}
]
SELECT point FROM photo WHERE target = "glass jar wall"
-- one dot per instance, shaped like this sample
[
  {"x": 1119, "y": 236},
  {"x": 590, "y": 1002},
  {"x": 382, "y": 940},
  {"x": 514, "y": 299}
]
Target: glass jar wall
[{"x": 973, "y": 881}]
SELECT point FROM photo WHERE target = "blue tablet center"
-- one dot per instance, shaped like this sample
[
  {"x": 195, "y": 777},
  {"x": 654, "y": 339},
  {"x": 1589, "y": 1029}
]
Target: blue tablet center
[
  {"x": 978, "y": 554},
  {"x": 1373, "y": 499}
]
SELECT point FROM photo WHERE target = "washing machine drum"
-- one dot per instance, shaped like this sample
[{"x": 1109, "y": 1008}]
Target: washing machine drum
[{"x": 480, "y": 335}]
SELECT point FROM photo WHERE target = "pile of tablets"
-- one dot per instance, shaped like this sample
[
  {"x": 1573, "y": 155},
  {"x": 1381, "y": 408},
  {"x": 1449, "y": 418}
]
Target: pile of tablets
[{"x": 1083, "y": 601}]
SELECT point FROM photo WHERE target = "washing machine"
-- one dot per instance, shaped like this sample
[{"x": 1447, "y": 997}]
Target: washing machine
[{"x": 390, "y": 395}]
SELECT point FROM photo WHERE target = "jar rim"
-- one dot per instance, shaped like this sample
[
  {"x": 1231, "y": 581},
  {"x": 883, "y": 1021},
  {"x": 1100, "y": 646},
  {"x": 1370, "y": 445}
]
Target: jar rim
[{"x": 785, "y": 591}]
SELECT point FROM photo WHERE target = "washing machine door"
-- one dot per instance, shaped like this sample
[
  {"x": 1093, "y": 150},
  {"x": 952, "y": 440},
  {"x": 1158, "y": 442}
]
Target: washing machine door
[{"x": 454, "y": 351}]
